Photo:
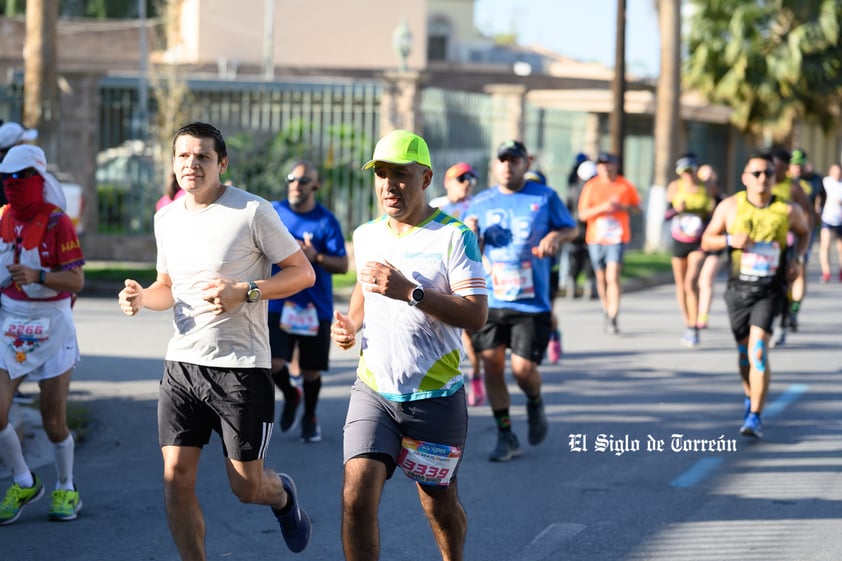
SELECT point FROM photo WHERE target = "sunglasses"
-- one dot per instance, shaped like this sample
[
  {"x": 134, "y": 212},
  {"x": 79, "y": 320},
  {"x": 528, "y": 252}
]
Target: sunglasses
[
  {"x": 302, "y": 179},
  {"x": 466, "y": 178},
  {"x": 22, "y": 174},
  {"x": 769, "y": 172}
]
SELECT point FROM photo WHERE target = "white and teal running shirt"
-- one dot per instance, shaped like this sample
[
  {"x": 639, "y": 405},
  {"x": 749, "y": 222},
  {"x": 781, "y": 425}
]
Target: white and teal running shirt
[
  {"x": 511, "y": 225},
  {"x": 407, "y": 355}
]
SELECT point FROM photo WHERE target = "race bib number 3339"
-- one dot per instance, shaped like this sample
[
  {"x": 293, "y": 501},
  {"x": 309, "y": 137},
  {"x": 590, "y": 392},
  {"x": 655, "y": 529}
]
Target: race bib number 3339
[{"x": 428, "y": 463}]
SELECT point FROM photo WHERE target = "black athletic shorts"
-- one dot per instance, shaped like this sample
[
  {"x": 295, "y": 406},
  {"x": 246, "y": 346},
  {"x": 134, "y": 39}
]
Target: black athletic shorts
[
  {"x": 313, "y": 350},
  {"x": 526, "y": 334},
  {"x": 752, "y": 303},
  {"x": 683, "y": 249},
  {"x": 236, "y": 403}
]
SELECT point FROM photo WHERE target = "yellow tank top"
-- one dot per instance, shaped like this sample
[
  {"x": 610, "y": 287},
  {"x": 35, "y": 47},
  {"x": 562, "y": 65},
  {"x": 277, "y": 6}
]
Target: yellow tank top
[
  {"x": 783, "y": 189},
  {"x": 699, "y": 202},
  {"x": 767, "y": 227}
]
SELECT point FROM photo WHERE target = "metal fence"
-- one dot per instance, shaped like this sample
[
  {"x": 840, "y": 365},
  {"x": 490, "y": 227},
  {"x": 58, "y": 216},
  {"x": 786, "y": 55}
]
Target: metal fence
[{"x": 267, "y": 125}]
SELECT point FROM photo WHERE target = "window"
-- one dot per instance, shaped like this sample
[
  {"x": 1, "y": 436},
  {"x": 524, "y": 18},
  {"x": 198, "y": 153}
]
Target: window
[{"x": 438, "y": 36}]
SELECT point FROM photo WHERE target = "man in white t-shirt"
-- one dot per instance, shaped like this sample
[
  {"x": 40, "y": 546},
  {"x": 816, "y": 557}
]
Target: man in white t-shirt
[
  {"x": 215, "y": 249},
  {"x": 420, "y": 282}
]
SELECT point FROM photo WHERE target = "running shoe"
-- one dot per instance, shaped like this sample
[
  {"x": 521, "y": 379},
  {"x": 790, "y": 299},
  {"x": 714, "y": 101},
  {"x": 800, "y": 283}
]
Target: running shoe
[
  {"x": 476, "y": 393},
  {"x": 778, "y": 336},
  {"x": 310, "y": 429},
  {"x": 554, "y": 348},
  {"x": 690, "y": 338},
  {"x": 18, "y": 497},
  {"x": 66, "y": 504},
  {"x": 22, "y": 398},
  {"x": 752, "y": 426},
  {"x": 294, "y": 522},
  {"x": 793, "y": 321},
  {"x": 825, "y": 278},
  {"x": 537, "y": 420},
  {"x": 611, "y": 326},
  {"x": 288, "y": 412},
  {"x": 506, "y": 449}
]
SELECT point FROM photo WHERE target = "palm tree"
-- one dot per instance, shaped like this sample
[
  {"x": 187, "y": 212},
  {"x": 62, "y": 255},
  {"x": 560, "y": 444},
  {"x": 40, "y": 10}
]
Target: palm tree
[
  {"x": 667, "y": 117},
  {"x": 772, "y": 62}
]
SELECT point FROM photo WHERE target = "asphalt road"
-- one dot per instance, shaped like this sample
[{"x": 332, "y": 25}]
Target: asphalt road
[{"x": 568, "y": 499}]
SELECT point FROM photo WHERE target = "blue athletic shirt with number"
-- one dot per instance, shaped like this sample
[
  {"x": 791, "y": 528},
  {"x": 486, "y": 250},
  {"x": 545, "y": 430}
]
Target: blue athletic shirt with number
[
  {"x": 407, "y": 355},
  {"x": 327, "y": 238},
  {"x": 510, "y": 225}
]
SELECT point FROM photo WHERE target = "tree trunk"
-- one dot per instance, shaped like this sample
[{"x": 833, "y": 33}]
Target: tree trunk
[
  {"x": 618, "y": 86},
  {"x": 40, "y": 104},
  {"x": 667, "y": 119}
]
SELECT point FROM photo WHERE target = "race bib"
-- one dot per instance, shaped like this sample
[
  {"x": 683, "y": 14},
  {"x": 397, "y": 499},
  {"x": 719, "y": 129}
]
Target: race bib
[
  {"x": 300, "y": 321},
  {"x": 428, "y": 463},
  {"x": 609, "y": 231},
  {"x": 512, "y": 281},
  {"x": 762, "y": 260},
  {"x": 687, "y": 228},
  {"x": 25, "y": 335}
]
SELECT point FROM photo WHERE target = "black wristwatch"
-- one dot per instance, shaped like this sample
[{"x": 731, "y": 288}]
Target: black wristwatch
[
  {"x": 253, "y": 294},
  {"x": 416, "y": 296}
]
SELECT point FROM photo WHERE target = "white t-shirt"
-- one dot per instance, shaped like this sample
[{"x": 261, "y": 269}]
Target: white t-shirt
[
  {"x": 406, "y": 354},
  {"x": 236, "y": 238},
  {"x": 832, "y": 210}
]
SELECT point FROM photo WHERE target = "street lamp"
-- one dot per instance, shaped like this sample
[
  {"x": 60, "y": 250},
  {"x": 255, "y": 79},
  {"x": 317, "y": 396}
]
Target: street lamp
[{"x": 402, "y": 43}]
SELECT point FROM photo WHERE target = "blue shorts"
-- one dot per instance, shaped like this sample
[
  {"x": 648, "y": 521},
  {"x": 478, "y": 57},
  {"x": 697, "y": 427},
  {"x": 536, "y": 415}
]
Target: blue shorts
[{"x": 602, "y": 254}]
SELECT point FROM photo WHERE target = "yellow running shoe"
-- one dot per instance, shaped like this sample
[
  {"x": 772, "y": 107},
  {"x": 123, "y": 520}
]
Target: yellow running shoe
[
  {"x": 18, "y": 497},
  {"x": 66, "y": 504}
]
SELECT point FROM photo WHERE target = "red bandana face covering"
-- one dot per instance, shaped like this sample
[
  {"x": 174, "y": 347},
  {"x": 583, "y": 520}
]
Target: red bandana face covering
[{"x": 25, "y": 196}]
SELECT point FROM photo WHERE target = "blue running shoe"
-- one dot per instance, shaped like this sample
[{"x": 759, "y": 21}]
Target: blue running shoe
[
  {"x": 295, "y": 524},
  {"x": 752, "y": 426}
]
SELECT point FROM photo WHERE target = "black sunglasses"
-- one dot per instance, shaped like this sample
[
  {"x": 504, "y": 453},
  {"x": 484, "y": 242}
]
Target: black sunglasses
[
  {"x": 22, "y": 174},
  {"x": 769, "y": 172},
  {"x": 302, "y": 180},
  {"x": 466, "y": 177}
]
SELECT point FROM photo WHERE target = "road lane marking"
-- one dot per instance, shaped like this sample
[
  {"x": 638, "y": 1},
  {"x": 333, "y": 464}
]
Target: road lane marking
[
  {"x": 701, "y": 469},
  {"x": 548, "y": 542},
  {"x": 792, "y": 393},
  {"x": 696, "y": 473}
]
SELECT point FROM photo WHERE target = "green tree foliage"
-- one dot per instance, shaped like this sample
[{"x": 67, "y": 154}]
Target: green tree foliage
[{"x": 771, "y": 61}]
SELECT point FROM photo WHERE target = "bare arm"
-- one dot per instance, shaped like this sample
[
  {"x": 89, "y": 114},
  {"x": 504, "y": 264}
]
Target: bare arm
[
  {"x": 345, "y": 327},
  {"x": 467, "y": 312},
  {"x": 295, "y": 275},
  {"x": 331, "y": 263},
  {"x": 715, "y": 235},
  {"x": 67, "y": 280},
  {"x": 157, "y": 296},
  {"x": 550, "y": 244}
]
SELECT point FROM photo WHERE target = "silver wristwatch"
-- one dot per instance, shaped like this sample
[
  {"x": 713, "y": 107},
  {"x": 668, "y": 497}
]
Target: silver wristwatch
[
  {"x": 253, "y": 294},
  {"x": 416, "y": 296}
]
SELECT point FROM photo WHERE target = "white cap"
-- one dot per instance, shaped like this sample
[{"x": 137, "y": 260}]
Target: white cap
[
  {"x": 25, "y": 156},
  {"x": 586, "y": 170},
  {"x": 12, "y": 134}
]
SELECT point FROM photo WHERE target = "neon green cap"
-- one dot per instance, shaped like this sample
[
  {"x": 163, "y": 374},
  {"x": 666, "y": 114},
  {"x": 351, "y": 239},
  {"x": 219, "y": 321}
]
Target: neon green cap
[{"x": 401, "y": 147}]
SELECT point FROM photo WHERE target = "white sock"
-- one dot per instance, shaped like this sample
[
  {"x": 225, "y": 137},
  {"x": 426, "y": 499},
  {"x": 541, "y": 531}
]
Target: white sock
[
  {"x": 64, "y": 463},
  {"x": 12, "y": 455}
]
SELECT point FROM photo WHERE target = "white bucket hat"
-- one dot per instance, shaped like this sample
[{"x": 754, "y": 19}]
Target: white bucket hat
[{"x": 28, "y": 156}]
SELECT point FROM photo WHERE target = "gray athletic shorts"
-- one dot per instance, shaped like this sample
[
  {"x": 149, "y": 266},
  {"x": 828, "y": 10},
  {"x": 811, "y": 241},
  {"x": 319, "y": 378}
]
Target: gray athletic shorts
[{"x": 375, "y": 427}]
